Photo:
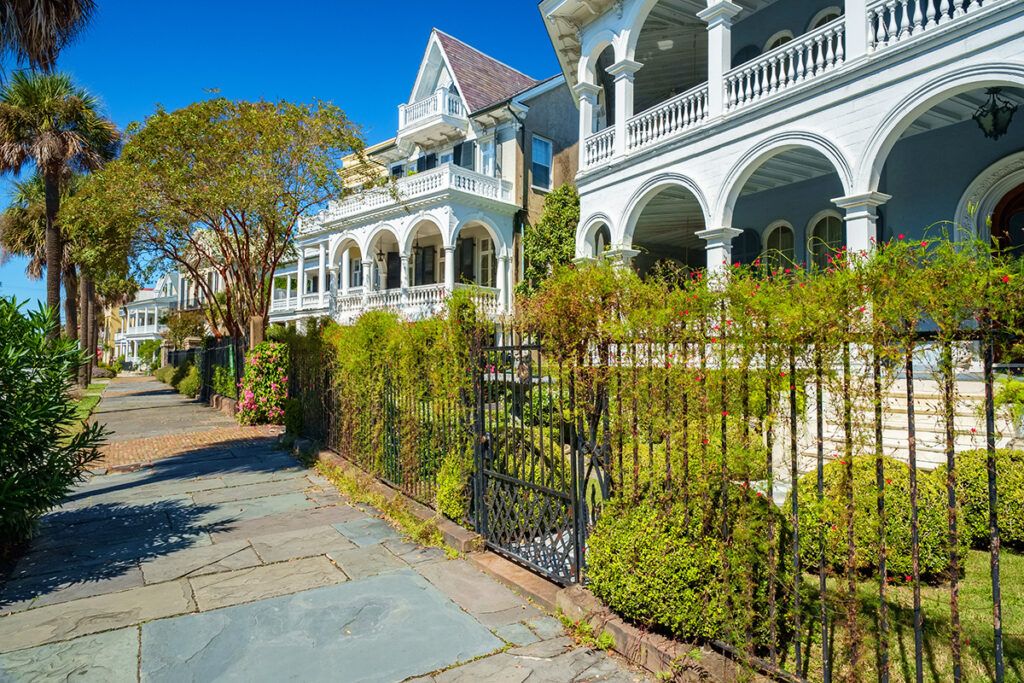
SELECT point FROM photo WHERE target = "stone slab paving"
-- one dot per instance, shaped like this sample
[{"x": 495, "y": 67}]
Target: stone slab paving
[{"x": 229, "y": 561}]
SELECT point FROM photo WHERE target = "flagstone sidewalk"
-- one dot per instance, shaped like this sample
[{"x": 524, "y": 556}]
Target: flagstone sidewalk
[{"x": 222, "y": 558}]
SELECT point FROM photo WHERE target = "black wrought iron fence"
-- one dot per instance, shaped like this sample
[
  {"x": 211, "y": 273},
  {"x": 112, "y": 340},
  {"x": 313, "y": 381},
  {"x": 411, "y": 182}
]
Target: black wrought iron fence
[{"x": 221, "y": 366}]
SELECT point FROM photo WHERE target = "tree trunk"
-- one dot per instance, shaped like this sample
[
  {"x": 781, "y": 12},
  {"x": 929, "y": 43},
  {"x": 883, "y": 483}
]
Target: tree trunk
[
  {"x": 257, "y": 330},
  {"x": 54, "y": 247},
  {"x": 71, "y": 303},
  {"x": 83, "y": 330},
  {"x": 93, "y": 329}
]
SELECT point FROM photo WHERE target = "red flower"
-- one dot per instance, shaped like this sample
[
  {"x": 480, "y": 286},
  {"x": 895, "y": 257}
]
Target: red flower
[
  {"x": 924, "y": 243},
  {"x": 725, "y": 413},
  {"x": 704, "y": 442},
  {"x": 1006, "y": 279},
  {"x": 901, "y": 236}
]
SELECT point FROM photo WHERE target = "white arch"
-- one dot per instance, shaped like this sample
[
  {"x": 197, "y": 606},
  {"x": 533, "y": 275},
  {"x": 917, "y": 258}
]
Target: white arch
[
  {"x": 339, "y": 244},
  {"x": 648, "y": 191},
  {"x": 765, "y": 150},
  {"x": 785, "y": 33},
  {"x": 983, "y": 195},
  {"x": 413, "y": 227},
  {"x": 501, "y": 248},
  {"x": 593, "y": 47},
  {"x": 586, "y": 231},
  {"x": 634, "y": 19},
  {"x": 922, "y": 99},
  {"x": 809, "y": 240},
  {"x": 367, "y": 246}
]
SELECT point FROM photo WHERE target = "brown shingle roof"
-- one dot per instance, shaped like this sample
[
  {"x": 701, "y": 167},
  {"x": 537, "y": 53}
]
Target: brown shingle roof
[{"x": 483, "y": 80}]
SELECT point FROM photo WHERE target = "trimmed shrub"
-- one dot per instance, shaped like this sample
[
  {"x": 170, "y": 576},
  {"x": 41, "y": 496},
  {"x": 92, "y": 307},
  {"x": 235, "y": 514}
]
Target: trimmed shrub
[
  {"x": 164, "y": 374},
  {"x": 653, "y": 564},
  {"x": 829, "y": 517},
  {"x": 453, "y": 485},
  {"x": 179, "y": 373},
  {"x": 191, "y": 383},
  {"x": 265, "y": 385},
  {"x": 45, "y": 448},
  {"x": 972, "y": 496}
]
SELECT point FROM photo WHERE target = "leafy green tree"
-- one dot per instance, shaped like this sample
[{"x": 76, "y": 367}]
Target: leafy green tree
[
  {"x": 221, "y": 186},
  {"x": 43, "y": 450},
  {"x": 35, "y": 31},
  {"x": 552, "y": 241},
  {"x": 184, "y": 324},
  {"x": 49, "y": 122}
]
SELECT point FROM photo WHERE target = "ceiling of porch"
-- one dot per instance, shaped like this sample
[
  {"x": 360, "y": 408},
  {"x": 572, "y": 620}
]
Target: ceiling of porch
[{"x": 670, "y": 220}]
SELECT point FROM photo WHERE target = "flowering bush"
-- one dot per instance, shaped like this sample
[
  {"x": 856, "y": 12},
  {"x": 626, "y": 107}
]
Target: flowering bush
[{"x": 265, "y": 385}]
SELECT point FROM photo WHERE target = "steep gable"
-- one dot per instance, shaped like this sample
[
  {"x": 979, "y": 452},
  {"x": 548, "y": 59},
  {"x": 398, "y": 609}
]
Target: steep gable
[{"x": 482, "y": 80}]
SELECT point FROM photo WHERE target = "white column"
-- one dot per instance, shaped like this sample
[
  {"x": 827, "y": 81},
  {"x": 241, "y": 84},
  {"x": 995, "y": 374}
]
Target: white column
[
  {"x": 861, "y": 220},
  {"x": 287, "y": 290},
  {"x": 368, "y": 283},
  {"x": 300, "y": 280},
  {"x": 623, "y": 73},
  {"x": 856, "y": 17},
  {"x": 346, "y": 270},
  {"x": 719, "y": 248},
  {"x": 449, "y": 268},
  {"x": 587, "y": 94},
  {"x": 321, "y": 284},
  {"x": 718, "y": 15},
  {"x": 403, "y": 277},
  {"x": 501, "y": 279}
]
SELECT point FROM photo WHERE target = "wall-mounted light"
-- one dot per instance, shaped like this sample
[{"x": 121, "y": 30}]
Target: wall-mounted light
[{"x": 995, "y": 115}]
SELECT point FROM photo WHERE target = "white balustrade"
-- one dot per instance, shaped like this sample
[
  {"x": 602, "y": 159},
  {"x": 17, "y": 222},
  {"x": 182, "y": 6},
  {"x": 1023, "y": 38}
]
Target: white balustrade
[
  {"x": 895, "y": 21},
  {"x": 485, "y": 298},
  {"x": 797, "y": 61},
  {"x": 676, "y": 115},
  {"x": 599, "y": 147},
  {"x": 311, "y": 300},
  {"x": 441, "y": 102},
  {"x": 441, "y": 179}
]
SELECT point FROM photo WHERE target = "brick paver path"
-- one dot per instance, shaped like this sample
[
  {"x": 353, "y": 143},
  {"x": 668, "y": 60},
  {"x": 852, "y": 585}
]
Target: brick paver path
[{"x": 222, "y": 559}]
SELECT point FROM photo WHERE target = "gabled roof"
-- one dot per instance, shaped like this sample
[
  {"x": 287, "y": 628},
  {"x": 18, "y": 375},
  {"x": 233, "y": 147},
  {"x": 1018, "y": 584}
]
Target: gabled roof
[{"x": 482, "y": 80}]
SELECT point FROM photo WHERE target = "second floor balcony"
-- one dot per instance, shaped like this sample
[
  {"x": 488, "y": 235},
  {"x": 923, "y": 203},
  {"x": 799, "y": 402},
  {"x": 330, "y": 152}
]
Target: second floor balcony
[
  {"x": 441, "y": 114},
  {"x": 441, "y": 181},
  {"x": 633, "y": 100}
]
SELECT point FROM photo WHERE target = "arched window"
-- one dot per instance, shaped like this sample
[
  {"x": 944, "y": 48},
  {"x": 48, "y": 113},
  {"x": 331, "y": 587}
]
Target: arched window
[
  {"x": 745, "y": 54},
  {"x": 780, "y": 245},
  {"x": 826, "y": 239},
  {"x": 778, "y": 40},
  {"x": 602, "y": 241},
  {"x": 746, "y": 247},
  {"x": 824, "y": 16}
]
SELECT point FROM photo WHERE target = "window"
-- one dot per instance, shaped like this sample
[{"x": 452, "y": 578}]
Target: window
[
  {"x": 824, "y": 16},
  {"x": 355, "y": 273},
  {"x": 426, "y": 162},
  {"x": 780, "y": 245},
  {"x": 488, "y": 263},
  {"x": 423, "y": 266},
  {"x": 541, "y": 155},
  {"x": 397, "y": 170},
  {"x": 465, "y": 155},
  {"x": 487, "y": 158},
  {"x": 826, "y": 240},
  {"x": 446, "y": 158},
  {"x": 778, "y": 40},
  {"x": 465, "y": 257},
  {"x": 602, "y": 240}
]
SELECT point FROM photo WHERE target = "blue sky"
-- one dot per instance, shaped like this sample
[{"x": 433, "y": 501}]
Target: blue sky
[{"x": 361, "y": 56}]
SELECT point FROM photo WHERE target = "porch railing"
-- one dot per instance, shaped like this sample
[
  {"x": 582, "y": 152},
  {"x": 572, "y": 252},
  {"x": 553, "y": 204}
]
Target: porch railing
[
  {"x": 678, "y": 114},
  {"x": 600, "y": 146},
  {"x": 896, "y": 21},
  {"x": 441, "y": 102}
]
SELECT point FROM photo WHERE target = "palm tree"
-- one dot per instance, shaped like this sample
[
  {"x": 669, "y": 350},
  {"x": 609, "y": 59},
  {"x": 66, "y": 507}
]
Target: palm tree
[
  {"x": 56, "y": 126},
  {"x": 35, "y": 31},
  {"x": 22, "y": 233}
]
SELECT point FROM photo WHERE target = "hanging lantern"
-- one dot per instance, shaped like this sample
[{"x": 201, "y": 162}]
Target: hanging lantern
[{"x": 995, "y": 115}]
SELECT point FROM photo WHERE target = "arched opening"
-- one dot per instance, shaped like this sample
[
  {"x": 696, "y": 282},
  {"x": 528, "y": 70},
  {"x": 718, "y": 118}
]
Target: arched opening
[
  {"x": 673, "y": 48},
  {"x": 385, "y": 255},
  {"x": 939, "y": 154},
  {"x": 780, "y": 245},
  {"x": 1008, "y": 220},
  {"x": 746, "y": 247},
  {"x": 604, "y": 113},
  {"x": 602, "y": 240},
  {"x": 826, "y": 235},
  {"x": 778, "y": 40},
  {"x": 476, "y": 255},
  {"x": 665, "y": 231},
  {"x": 825, "y": 16},
  {"x": 347, "y": 264},
  {"x": 426, "y": 255},
  {"x": 794, "y": 185}
]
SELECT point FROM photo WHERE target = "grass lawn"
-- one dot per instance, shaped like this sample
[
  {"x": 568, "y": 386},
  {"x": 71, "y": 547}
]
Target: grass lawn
[
  {"x": 87, "y": 404},
  {"x": 975, "y": 618}
]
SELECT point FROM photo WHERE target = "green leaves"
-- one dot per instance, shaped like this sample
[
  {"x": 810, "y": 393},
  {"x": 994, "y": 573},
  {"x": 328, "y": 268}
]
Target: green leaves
[
  {"x": 44, "y": 449},
  {"x": 551, "y": 244}
]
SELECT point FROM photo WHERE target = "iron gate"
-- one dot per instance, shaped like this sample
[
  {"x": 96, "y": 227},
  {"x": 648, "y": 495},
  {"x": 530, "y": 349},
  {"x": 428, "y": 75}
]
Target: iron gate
[{"x": 540, "y": 474}]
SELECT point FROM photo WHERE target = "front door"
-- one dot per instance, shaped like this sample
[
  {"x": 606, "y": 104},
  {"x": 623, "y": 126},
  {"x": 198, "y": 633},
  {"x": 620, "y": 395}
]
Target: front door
[
  {"x": 1008, "y": 220},
  {"x": 393, "y": 279}
]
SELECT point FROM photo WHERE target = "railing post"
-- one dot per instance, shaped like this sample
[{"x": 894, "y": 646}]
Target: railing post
[
  {"x": 587, "y": 94},
  {"x": 623, "y": 73},
  {"x": 300, "y": 280},
  {"x": 321, "y": 283},
  {"x": 718, "y": 16},
  {"x": 856, "y": 18}
]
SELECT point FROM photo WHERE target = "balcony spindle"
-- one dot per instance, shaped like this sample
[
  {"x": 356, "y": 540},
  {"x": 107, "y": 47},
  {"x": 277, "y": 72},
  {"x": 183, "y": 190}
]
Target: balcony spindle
[
  {"x": 943, "y": 11},
  {"x": 830, "y": 54}
]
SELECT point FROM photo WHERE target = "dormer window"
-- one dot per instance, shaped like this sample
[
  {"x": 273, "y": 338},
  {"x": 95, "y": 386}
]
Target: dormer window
[{"x": 397, "y": 170}]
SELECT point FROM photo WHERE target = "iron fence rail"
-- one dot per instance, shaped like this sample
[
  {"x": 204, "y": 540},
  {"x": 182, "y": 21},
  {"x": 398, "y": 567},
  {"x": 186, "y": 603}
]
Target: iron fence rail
[
  {"x": 557, "y": 436},
  {"x": 227, "y": 354}
]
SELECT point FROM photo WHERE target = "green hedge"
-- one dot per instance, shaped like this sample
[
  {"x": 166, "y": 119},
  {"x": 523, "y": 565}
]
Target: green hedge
[
  {"x": 829, "y": 517},
  {"x": 972, "y": 495},
  {"x": 164, "y": 374},
  {"x": 224, "y": 382},
  {"x": 190, "y": 384},
  {"x": 651, "y": 564}
]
